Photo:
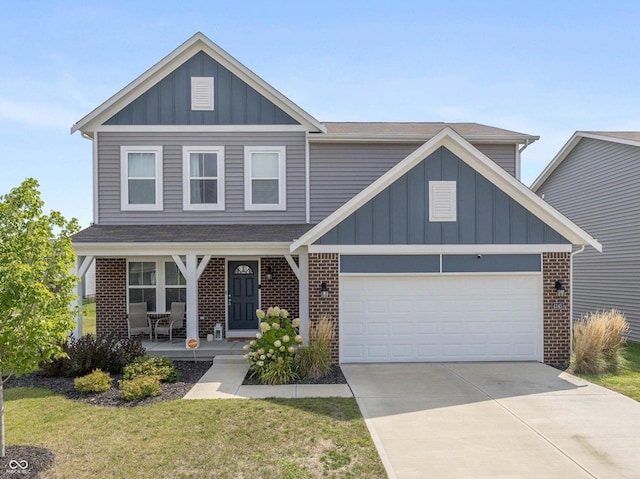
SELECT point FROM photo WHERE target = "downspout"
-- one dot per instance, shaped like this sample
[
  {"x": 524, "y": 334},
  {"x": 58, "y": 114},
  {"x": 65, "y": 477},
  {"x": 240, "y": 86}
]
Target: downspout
[{"x": 571, "y": 297}]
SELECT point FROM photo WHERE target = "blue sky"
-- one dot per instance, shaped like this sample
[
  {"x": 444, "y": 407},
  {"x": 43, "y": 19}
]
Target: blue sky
[{"x": 544, "y": 68}]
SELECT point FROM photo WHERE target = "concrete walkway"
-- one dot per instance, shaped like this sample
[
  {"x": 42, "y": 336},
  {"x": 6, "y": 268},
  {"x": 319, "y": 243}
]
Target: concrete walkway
[
  {"x": 495, "y": 420},
  {"x": 224, "y": 381}
]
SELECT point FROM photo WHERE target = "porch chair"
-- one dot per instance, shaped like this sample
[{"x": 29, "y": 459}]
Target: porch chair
[
  {"x": 138, "y": 320},
  {"x": 175, "y": 321}
]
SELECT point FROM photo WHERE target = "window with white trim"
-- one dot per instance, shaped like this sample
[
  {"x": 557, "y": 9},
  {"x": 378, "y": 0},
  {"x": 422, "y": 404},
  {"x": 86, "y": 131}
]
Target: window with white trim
[
  {"x": 202, "y": 93},
  {"x": 265, "y": 178},
  {"x": 442, "y": 201},
  {"x": 203, "y": 177},
  {"x": 158, "y": 282},
  {"x": 141, "y": 178}
]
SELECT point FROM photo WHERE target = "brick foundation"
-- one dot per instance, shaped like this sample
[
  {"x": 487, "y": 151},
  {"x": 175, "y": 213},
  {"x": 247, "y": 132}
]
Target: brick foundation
[
  {"x": 211, "y": 297},
  {"x": 283, "y": 289},
  {"x": 111, "y": 297},
  {"x": 323, "y": 267},
  {"x": 557, "y": 329}
]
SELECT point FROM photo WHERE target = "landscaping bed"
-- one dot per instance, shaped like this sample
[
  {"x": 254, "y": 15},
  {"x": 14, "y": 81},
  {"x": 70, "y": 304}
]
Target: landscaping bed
[
  {"x": 189, "y": 373},
  {"x": 334, "y": 376}
]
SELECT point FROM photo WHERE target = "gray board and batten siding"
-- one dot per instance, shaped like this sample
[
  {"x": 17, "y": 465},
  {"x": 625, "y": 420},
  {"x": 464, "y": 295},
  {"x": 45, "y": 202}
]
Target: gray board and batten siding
[
  {"x": 399, "y": 214},
  {"x": 598, "y": 187},
  {"x": 339, "y": 171},
  {"x": 463, "y": 263},
  {"x": 169, "y": 101},
  {"x": 109, "y": 178}
]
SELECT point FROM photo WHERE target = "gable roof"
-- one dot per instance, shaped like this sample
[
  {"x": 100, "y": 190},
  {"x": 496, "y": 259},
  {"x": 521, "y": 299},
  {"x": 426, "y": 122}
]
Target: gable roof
[
  {"x": 450, "y": 139},
  {"x": 169, "y": 63},
  {"x": 417, "y": 131},
  {"x": 623, "y": 137}
]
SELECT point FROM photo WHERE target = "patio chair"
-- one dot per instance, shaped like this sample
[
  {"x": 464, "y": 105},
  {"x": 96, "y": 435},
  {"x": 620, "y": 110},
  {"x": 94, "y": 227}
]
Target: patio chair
[
  {"x": 174, "y": 321},
  {"x": 139, "y": 322}
]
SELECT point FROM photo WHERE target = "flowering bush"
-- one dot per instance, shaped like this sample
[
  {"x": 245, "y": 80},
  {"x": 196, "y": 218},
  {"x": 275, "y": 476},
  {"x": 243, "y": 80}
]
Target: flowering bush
[{"x": 272, "y": 353}]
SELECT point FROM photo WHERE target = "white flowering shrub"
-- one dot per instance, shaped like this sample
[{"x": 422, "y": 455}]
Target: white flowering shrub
[{"x": 272, "y": 354}]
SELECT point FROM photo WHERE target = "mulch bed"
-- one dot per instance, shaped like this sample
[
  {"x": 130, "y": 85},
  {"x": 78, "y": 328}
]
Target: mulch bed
[
  {"x": 189, "y": 373},
  {"x": 25, "y": 461},
  {"x": 334, "y": 376}
]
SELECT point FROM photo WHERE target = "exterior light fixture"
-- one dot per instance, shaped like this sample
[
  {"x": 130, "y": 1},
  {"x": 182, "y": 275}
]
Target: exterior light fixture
[
  {"x": 217, "y": 332},
  {"x": 324, "y": 291},
  {"x": 269, "y": 274},
  {"x": 560, "y": 288}
]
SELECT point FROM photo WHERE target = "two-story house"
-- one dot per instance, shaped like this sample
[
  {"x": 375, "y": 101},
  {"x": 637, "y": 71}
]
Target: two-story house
[{"x": 214, "y": 189}]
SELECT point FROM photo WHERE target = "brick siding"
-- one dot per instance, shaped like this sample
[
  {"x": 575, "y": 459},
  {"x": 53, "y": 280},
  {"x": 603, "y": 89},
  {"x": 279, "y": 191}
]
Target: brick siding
[
  {"x": 211, "y": 297},
  {"x": 557, "y": 329},
  {"x": 283, "y": 289},
  {"x": 323, "y": 267},
  {"x": 111, "y": 297}
]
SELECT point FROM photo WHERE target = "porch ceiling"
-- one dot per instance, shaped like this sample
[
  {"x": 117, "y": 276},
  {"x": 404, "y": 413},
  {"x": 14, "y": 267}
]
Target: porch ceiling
[{"x": 191, "y": 233}]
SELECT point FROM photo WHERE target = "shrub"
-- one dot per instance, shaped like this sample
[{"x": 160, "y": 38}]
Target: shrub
[
  {"x": 139, "y": 388},
  {"x": 110, "y": 354},
  {"x": 95, "y": 382},
  {"x": 597, "y": 341},
  {"x": 314, "y": 361},
  {"x": 272, "y": 353},
  {"x": 161, "y": 367}
]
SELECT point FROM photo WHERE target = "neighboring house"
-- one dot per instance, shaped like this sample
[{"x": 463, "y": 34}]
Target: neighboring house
[
  {"x": 213, "y": 188},
  {"x": 595, "y": 181}
]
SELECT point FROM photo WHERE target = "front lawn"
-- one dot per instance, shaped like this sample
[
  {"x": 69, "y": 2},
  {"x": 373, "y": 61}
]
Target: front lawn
[
  {"x": 283, "y": 438},
  {"x": 89, "y": 318},
  {"x": 627, "y": 380}
]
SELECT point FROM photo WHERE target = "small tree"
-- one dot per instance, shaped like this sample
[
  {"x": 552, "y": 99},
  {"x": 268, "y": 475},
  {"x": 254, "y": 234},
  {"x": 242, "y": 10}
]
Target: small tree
[{"x": 36, "y": 284}]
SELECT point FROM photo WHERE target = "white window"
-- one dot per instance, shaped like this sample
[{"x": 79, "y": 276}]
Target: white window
[
  {"x": 203, "y": 177},
  {"x": 202, "y": 93},
  {"x": 265, "y": 178},
  {"x": 158, "y": 282},
  {"x": 141, "y": 178},
  {"x": 442, "y": 201}
]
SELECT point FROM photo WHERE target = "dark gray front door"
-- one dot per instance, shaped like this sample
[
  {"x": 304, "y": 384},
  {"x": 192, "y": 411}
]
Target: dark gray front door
[{"x": 243, "y": 294}]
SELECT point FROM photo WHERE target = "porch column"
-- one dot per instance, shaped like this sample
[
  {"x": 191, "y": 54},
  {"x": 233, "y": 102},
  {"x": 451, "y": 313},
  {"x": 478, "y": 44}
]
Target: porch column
[
  {"x": 83, "y": 263},
  {"x": 191, "y": 272},
  {"x": 303, "y": 287}
]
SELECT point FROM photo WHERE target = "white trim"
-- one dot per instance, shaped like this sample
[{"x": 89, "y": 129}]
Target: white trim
[
  {"x": 96, "y": 198},
  {"x": 203, "y": 264},
  {"x": 180, "y": 264},
  {"x": 258, "y": 259},
  {"x": 359, "y": 138},
  {"x": 459, "y": 273},
  {"x": 476, "y": 160},
  {"x": 164, "y": 67},
  {"x": 84, "y": 266},
  {"x": 241, "y": 333},
  {"x": 179, "y": 248},
  {"x": 450, "y": 189},
  {"x": 294, "y": 267},
  {"x": 124, "y": 178},
  {"x": 186, "y": 178},
  {"x": 307, "y": 179},
  {"x": 281, "y": 151},
  {"x": 518, "y": 161},
  {"x": 442, "y": 249},
  {"x": 199, "y": 128},
  {"x": 196, "y": 103}
]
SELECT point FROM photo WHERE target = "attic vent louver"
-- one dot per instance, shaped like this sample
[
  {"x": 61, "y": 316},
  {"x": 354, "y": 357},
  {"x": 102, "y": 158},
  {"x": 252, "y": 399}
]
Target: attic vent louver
[
  {"x": 442, "y": 201},
  {"x": 202, "y": 93}
]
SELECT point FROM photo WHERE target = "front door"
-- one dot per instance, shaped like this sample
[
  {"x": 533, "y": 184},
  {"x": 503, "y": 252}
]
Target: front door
[{"x": 243, "y": 294}]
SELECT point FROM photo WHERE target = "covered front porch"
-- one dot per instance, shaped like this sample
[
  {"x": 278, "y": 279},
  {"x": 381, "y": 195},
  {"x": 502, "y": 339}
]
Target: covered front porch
[{"x": 206, "y": 351}]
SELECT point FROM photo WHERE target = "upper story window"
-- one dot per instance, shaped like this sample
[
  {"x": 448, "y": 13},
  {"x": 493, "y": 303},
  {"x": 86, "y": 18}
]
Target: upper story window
[
  {"x": 202, "y": 93},
  {"x": 442, "y": 201},
  {"x": 203, "y": 177},
  {"x": 141, "y": 178},
  {"x": 265, "y": 178}
]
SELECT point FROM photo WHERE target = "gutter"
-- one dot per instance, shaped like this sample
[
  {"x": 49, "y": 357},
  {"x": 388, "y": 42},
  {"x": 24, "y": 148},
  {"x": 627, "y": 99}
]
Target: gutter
[{"x": 571, "y": 297}]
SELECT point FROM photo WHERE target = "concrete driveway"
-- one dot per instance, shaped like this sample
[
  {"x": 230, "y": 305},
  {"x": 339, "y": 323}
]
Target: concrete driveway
[{"x": 495, "y": 420}]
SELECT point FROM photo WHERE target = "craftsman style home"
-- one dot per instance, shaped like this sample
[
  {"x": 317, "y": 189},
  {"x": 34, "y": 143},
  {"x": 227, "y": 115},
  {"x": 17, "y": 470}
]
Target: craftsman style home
[{"x": 215, "y": 191}]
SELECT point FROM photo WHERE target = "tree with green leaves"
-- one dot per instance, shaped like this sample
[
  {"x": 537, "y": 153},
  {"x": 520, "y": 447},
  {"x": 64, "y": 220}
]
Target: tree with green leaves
[{"x": 36, "y": 284}]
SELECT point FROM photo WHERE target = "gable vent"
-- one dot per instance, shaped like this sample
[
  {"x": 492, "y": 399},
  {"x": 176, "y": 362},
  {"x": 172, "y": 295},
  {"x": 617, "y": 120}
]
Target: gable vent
[
  {"x": 202, "y": 93},
  {"x": 442, "y": 201}
]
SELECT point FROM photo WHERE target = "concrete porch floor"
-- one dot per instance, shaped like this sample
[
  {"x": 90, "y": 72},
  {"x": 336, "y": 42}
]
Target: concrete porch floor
[{"x": 206, "y": 350}]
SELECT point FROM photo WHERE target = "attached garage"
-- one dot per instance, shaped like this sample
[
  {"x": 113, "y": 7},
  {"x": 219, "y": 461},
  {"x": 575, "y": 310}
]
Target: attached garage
[{"x": 441, "y": 317}]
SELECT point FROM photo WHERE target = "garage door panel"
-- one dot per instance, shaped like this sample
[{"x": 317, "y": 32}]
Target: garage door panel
[{"x": 440, "y": 318}]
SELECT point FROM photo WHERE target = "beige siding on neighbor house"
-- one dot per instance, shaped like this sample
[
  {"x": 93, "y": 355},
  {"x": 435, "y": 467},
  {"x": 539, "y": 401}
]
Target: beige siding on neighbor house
[{"x": 598, "y": 187}]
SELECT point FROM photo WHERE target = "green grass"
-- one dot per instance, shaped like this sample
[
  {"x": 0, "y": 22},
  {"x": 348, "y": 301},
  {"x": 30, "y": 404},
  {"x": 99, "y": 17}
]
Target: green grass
[
  {"x": 89, "y": 318},
  {"x": 287, "y": 438},
  {"x": 627, "y": 380}
]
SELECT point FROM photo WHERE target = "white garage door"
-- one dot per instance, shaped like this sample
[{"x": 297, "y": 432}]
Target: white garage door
[{"x": 441, "y": 318}]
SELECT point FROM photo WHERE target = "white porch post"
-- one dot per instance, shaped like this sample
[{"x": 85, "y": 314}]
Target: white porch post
[
  {"x": 303, "y": 284},
  {"x": 191, "y": 272},
  {"x": 82, "y": 266}
]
